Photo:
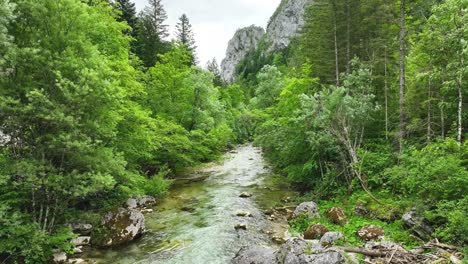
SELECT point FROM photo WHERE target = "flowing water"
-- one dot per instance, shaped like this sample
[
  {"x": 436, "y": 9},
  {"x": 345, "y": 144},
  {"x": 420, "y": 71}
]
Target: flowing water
[{"x": 195, "y": 223}]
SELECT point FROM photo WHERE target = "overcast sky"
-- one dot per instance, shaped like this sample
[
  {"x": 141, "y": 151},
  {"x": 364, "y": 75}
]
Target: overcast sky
[{"x": 216, "y": 21}]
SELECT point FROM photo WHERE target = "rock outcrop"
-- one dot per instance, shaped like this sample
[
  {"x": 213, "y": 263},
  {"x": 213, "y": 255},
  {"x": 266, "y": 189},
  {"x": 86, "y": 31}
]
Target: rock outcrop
[
  {"x": 417, "y": 225},
  {"x": 286, "y": 23},
  {"x": 255, "y": 255},
  {"x": 119, "y": 227},
  {"x": 245, "y": 40},
  {"x": 293, "y": 251}
]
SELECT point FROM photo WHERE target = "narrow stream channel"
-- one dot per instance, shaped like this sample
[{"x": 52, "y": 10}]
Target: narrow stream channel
[{"x": 195, "y": 223}]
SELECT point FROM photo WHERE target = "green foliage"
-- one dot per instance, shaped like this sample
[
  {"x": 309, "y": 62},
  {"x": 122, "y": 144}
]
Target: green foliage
[
  {"x": 81, "y": 127},
  {"x": 394, "y": 231}
]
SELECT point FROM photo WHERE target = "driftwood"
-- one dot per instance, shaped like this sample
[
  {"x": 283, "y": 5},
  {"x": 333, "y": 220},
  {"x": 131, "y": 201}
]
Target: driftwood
[{"x": 439, "y": 253}]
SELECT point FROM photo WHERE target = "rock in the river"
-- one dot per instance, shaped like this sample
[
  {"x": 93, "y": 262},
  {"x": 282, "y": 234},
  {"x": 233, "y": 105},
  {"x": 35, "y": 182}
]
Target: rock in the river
[
  {"x": 81, "y": 241},
  {"x": 119, "y": 227},
  {"x": 336, "y": 215},
  {"x": 308, "y": 208},
  {"x": 298, "y": 251},
  {"x": 255, "y": 255},
  {"x": 60, "y": 257},
  {"x": 315, "y": 231},
  {"x": 245, "y": 195},
  {"x": 146, "y": 201},
  {"x": 81, "y": 228},
  {"x": 243, "y": 214},
  {"x": 330, "y": 237},
  {"x": 245, "y": 40},
  {"x": 140, "y": 202},
  {"x": 240, "y": 227},
  {"x": 286, "y": 23},
  {"x": 418, "y": 225},
  {"x": 370, "y": 232},
  {"x": 77, "y": 261}
]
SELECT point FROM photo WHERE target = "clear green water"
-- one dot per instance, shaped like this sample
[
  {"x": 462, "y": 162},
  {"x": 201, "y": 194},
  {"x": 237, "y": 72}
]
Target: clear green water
[{"x": 195, "y": 223}]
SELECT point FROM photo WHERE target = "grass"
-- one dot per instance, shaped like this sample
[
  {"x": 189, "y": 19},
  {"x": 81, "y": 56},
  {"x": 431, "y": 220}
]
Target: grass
[{"x": 388, "y": 219}]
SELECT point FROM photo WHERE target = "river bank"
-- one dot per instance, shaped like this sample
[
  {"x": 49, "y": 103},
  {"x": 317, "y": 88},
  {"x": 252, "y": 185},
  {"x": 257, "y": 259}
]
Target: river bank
[{"x": 206, "y": 221}]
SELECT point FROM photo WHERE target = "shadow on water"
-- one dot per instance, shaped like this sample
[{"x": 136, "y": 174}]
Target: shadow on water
[{"x": 195, "y": 223}]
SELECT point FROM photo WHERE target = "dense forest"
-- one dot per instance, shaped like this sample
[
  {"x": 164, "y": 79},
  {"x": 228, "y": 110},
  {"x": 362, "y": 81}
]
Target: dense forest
[{"x": 96, "y": 106}]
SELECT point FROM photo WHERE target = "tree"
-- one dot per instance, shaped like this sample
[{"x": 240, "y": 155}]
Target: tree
[
  {"x": 343, "y": 113},
  {"x": 213, "y": 67},
  {"x": 402, "y": 41},
  {"x": 127, "y": 13},
  {"x": 185, "y": 36},
  {"x": 151, "y": 32},
  {"x": 270, "y": 84}
]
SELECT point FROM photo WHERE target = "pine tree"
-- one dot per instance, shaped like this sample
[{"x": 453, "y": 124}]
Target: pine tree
[
  {"x": 185, "y": 36},
  {"x": 151, "y": 32}
]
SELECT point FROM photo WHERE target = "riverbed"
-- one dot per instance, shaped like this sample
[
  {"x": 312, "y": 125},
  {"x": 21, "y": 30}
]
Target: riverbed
[{"x": 195, "y": 223}]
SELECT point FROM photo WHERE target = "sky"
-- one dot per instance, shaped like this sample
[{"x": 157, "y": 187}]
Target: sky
[{"x": 215, "y": 21}]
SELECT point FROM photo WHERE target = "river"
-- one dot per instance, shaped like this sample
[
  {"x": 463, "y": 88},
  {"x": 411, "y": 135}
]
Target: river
[{"x": 195, "y": 223}]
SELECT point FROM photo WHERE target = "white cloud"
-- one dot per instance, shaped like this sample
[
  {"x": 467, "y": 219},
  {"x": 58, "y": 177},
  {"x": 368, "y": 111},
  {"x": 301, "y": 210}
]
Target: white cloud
[{"x": 216, "y": 21}]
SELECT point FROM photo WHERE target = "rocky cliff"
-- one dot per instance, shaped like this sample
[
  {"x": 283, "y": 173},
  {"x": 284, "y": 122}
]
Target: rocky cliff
[
  {"x": 286, "y": 23},
  {"x": 245, "y": 40}
]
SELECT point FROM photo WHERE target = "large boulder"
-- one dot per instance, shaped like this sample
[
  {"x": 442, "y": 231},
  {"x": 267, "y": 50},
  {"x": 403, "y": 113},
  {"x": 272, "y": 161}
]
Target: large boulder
[
  {"x": 297, "y": 250},
  {"x": 315, "y": 231},
  {"x": 308, "y": 208},
  {"x": 336, "y": 215},
  {"x": 370, "y": 232},
  {"x": 255, "y": 255},
  {"x": 119, "y": 227},
  {"x": 417, "y": 225}
]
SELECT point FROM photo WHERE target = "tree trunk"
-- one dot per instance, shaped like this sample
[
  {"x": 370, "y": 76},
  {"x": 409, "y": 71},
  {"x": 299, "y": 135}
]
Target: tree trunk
[
  {"x": 337, "y": 69},
  {"x": 386, "y": 95},
  {"x": 460, "y": 104},
  {"x": 402, "y": 132},
  {"x": 429, "y": 114},
  {"x": 348, "y": 36},
  {"x": 442, "y": 120}
]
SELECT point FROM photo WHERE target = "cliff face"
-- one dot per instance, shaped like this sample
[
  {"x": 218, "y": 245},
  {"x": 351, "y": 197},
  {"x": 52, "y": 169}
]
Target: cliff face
[
  {"x": 286, "y": 23},
  {"x": 245, "y": 40}
]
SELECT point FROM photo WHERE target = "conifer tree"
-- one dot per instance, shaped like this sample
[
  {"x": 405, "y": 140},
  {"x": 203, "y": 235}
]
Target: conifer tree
[
  {"x": 128, "y": 13},
  {"x": 213, "y": 67},
  {"x": 185, "y": 36},
  {"x": 151, "y": 32}
]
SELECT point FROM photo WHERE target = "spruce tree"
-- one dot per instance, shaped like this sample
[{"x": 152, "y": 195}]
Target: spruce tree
[
  {"x": 151, "y": 32},
  {"x": 185, "y": 36},
  {"x": 128, "y": 13}
]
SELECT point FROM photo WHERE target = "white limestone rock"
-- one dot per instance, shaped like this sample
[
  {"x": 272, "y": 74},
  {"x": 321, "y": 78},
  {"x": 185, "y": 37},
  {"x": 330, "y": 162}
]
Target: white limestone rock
[
  {"x": 286, "y": 23},
  {"x": 245, "y": 40}
]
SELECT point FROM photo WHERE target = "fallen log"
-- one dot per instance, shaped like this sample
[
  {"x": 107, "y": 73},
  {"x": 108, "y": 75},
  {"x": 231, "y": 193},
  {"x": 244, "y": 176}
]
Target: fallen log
[{"x": 370, "y": 253}]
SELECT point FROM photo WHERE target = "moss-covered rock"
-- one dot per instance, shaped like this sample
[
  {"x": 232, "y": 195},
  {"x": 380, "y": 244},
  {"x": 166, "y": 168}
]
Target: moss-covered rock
[{"x": 119, "y": 227}]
